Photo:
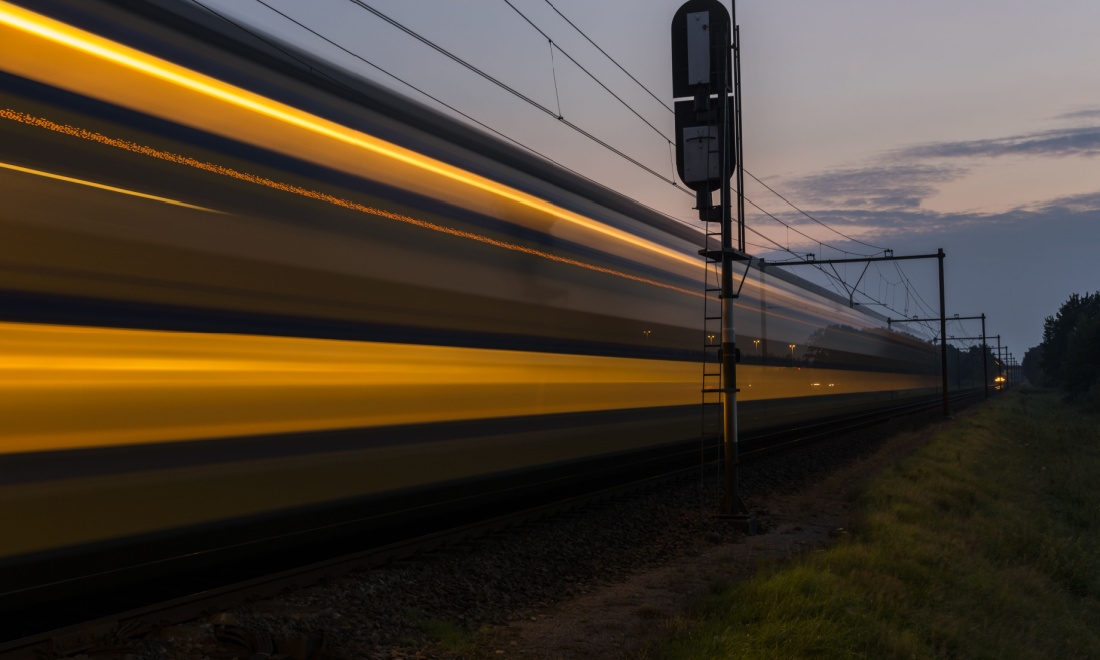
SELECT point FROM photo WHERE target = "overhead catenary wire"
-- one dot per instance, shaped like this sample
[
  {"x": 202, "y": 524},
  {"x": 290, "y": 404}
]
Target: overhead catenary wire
[
  {"x": 669, "y": 108},
  {"x": 366, "y": 7},
  {"x": 471, "y": 67},
  {"x": 789, "y": 203},
  {"x": 605, "y": 54},
  {"x": 474, "y": 120},
  {"x": 797, "y": 231},
  {"x": 586, "y": 71},
  {"x": 568, "y": 123},
  {"x": 547, "y": 111},
  {"x": 533, "y": 103}
]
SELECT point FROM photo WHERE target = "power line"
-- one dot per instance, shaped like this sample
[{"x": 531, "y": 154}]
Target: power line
[
  {"x": 587, "y": 72},
  {"x": 291, "y": 55},
  {"x": 451, "y": 56},
  {"x": 659, "y": 132},
  {"x": 571, "y": 125},
  {"x": 667, "y": 107},
  {"x": 919, "y": 300},
  {"x": 797, "y": 231},
  {"x": 628, "y": 74},
  {"x": 516, "y": 93},
  {"x": 854, "y": 240},
  {"x": 576, "y": 128}
]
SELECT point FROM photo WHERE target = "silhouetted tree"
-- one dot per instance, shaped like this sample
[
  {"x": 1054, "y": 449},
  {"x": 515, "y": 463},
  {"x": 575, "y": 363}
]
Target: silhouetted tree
[
  {"x": 1059, "y": 329},
  {"x": 1070, "y": 352},
  {"x": 1082, "y": 365},
  {"x": 1032, "y": 366}
]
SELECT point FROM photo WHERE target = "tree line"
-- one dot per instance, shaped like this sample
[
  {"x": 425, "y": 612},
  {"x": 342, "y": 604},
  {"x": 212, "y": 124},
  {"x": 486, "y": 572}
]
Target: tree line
[{"x": 1069, "y": 356}]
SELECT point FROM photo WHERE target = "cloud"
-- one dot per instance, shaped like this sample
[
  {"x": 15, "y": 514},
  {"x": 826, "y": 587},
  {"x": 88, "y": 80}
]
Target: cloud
[
  {"x": 890, "y": 226},
  {"x": 1087, "y": 113},
  {"x": 879, "y": 187},
  {"x": 1069, "y": 204},
  {"x": 1057, "y": 143},
  {"x": 903, "y": 178}
]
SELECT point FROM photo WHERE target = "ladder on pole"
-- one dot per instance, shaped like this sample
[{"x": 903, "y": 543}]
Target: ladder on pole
[{"x": 711, "y": 413}]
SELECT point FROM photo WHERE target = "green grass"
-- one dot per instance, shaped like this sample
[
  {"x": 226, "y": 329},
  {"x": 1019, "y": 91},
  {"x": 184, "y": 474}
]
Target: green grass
[
  {"x": 983, "y": 544},
  {"x": 457, "y": 639}
]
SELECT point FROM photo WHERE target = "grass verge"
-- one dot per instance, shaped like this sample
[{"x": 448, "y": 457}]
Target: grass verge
[{"x": 985, "y": 543}]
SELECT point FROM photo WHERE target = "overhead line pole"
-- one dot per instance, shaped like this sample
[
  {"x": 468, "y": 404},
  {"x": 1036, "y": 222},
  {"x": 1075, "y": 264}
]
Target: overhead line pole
[
  {"x": 890, "y": 257},
  {"x": 985, "y": 360},
  {"x": 985, "y": 348},
  {"x": 943, "y": 333},
  {"x": 985, "y": 357}
]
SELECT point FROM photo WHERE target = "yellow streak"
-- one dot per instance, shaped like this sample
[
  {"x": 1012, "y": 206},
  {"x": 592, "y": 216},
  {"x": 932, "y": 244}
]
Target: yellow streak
[
  {"x": 104, "y": 49},
  {"x": 67, "y": 386},
  {"x": 101, "y": 186},
  {"x": 31, "y": 120}
]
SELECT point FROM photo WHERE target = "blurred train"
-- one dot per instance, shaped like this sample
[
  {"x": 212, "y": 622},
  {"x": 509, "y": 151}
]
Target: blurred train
[{"x": 237, "y": 282}]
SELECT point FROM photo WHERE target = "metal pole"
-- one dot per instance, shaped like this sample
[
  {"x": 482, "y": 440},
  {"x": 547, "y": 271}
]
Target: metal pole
[
  {"x": 738, "y": 144},
  {"x": 943, "y": 336},
  {"x": 729, "y": 336},
  {"x": 1000, "y": 363},
  {"x": 762, "y": 354},
  {"x": 958, "y": 369},
  {"x": 985, "y": 360}
]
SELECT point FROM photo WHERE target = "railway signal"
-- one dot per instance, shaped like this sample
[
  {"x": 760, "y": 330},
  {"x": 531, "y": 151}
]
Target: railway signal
[{"x": 705, "y": 85}]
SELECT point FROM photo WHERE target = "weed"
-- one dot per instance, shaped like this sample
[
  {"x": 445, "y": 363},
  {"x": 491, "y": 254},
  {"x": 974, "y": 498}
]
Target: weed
[
  {"x": 647, "y": 611},
  {"x": 981, "y": 544}
]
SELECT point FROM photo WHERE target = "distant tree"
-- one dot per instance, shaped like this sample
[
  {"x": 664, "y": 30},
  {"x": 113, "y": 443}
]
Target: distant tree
[
  {"x": 1058, "y": 331},
  {"x": 1033, "y": 367},
  {"x": 1082, "y": 365}
]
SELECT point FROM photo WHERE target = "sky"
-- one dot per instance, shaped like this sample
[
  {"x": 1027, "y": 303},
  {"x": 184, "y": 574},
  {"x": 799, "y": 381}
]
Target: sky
[{"x": 967, "y": 125}]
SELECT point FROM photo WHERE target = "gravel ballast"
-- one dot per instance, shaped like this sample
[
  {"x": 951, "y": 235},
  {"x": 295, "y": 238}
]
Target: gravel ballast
[{"x": 588, "y": 582}]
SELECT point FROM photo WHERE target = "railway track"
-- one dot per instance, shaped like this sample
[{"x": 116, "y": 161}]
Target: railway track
[{"x": 84, "y": 636}]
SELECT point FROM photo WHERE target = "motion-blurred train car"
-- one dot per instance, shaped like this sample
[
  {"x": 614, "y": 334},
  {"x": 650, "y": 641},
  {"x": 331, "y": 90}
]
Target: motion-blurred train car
[{"x": 236, "y": 282}]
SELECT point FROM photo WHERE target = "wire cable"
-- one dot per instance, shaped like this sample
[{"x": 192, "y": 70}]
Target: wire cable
[
  {"x": 789, "y": 203},
  {"x": 586, "y": 71},
  {"x": 314, "y": 71},
  {"x": 669, "y": 108},
  {"x": 516, "y": 93},
  {"x": 605, "y": 54},
  {"x": 574, "y": 127},
  {"x": 571, "y": 125}
]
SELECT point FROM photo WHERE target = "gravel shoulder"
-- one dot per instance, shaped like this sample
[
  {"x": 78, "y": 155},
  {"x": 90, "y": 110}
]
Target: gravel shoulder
[{"x": 595, "y": 582}]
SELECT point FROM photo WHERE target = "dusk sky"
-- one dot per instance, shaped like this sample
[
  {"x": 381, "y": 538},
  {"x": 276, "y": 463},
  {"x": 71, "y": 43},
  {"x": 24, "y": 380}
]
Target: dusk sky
[{"x": 972, "y": 126}]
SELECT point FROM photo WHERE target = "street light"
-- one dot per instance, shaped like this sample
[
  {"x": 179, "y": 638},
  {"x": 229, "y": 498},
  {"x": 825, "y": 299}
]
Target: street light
[
  {"x": 756, "y": 343},
  {"x": 791, "y": 346}
]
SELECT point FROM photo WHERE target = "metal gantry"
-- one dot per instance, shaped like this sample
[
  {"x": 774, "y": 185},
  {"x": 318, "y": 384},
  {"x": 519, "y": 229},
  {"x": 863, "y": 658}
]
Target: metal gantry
[
  {"x": 943, "y": 328},
  {"x": 940, "y": 255}
]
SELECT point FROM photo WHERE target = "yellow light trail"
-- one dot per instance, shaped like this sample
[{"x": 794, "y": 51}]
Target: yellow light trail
[
  {"x": 68, "y": 386},
  {"x": 89, "y": 44},
  {"x": 81, "y": 133},
  {"x": 101, "y": 186}
]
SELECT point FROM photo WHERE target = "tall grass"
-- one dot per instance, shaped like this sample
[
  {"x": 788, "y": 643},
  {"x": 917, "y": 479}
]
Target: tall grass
[{"x": 983, "y": 544}]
